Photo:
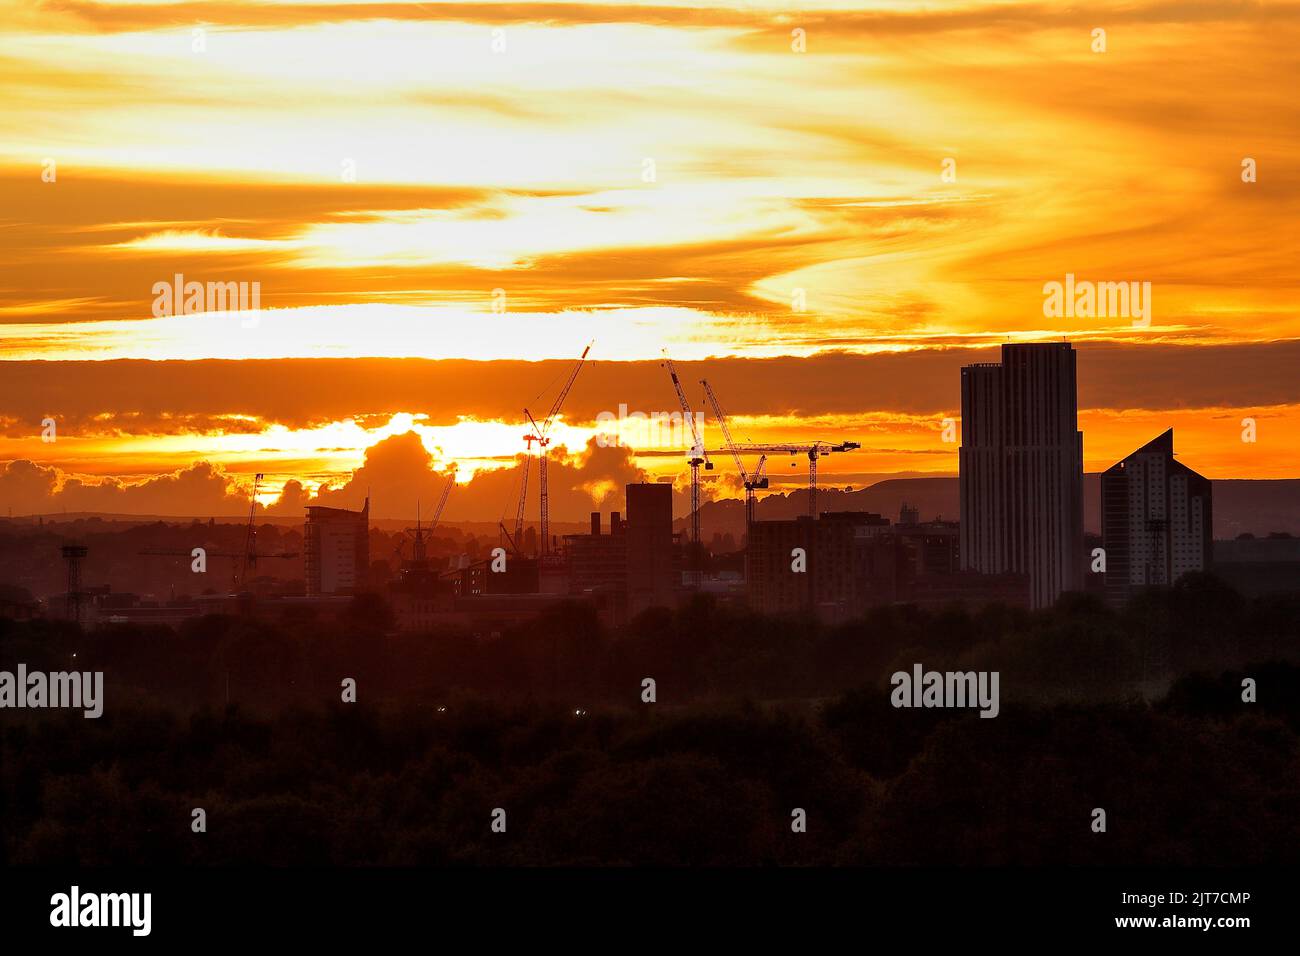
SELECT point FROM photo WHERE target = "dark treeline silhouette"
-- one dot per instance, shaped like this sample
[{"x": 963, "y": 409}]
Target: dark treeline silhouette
[
  {"x": 1137, "y": 711},
  {"x": 1195, "y": 779},
  {"x": 1077, "y": 651}
]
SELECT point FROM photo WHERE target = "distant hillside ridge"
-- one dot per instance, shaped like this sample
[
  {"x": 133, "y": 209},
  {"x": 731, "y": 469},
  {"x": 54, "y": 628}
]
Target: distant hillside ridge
[{"x": 1255, "y": 506}]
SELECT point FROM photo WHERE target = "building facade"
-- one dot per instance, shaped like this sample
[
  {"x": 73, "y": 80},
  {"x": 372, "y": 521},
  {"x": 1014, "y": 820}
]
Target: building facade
[
  {"x": 651, "y": 562},
  {"x": 848, "y": 563},
  {"x": 336, "y": 549},
  {"x": 597, "y": 561},
  {"x": 1021, "y": 466},
  {"x": 1157, "y": 520}
]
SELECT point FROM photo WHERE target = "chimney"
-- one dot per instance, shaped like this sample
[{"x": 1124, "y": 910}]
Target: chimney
[
  {"x": 595, "y": 524},
  {"x": 615, "y": 523}
]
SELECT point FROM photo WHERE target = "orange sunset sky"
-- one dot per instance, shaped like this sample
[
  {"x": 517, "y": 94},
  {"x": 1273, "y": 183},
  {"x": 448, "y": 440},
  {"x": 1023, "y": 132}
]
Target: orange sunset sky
[{"x": 757, "y": 187}]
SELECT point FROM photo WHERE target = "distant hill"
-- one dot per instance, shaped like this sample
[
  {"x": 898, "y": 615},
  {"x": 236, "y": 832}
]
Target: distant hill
[
  {"x": 1257, "y": 506},
  {"x": 1240, "y": 505},
  {"x": 76, "y": 522}
]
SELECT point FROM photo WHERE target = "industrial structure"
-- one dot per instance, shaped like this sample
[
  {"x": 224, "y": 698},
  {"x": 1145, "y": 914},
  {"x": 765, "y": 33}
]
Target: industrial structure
[{"x": 74, "y": 554}]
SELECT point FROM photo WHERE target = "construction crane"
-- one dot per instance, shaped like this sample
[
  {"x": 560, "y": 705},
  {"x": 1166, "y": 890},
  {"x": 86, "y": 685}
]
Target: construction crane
[
  {"x": 541, "y": 435},
  {"x": 250, "y": 537},
  {"x": 442, "y": 502},
  {"x": 699, "y": 456},
  {"x": 529, "y": 438},
  {"x": 420, "y": 552},
  {"x": 247, "y": 559},
  {"x": 514, "y": 548},
  {"x": 751, "y": 482},
  {"x": 814, "y": 450}
]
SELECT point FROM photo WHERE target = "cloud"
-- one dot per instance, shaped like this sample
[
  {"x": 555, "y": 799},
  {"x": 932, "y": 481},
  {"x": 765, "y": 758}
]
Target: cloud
[
  {"x": 201, "y": 489},
  {"x": 930, "y": 18},
  {"x": 136, "y": 398},
  {"x": 399, "y": 474}
]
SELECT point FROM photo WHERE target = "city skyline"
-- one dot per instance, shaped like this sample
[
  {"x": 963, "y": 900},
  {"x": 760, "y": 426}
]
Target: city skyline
[
  {"x": 825, "y": 236},
  {"x": 566, "y": 443},
  {"x": 401, "y": 471}
]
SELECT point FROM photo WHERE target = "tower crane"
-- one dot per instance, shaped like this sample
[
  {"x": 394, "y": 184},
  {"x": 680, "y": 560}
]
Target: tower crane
[
  {"x": 529, "y": 438},
  {"x": 699, "y": 456},
  {"x": 420, "y": 552},
  {"x": 814, "y": 450},
  {"x": 442, "y": 502},
  {"x": 541, "y": 435},
  {"x": 247, "y": 558},
  {"x": 250, "y": 537},
  {"x": 751, "y": 482},
  {"x": 514, "y": 548}
]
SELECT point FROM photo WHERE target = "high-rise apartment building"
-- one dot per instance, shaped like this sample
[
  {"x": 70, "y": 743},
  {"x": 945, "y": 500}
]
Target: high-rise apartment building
[
  {"x": 848, "y": 562},
  {"x": 336, "y": 549},
  {"x": 651, "y": 565},
  {"x": 1156, "y": 519},
  {"x": 1021, "y": 464}
]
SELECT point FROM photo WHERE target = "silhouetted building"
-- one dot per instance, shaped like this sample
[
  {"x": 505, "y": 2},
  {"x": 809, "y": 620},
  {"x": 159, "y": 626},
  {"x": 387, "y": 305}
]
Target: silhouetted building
[
  {"x": 651, "y": 561},
  {"x": 1094, "y": 581},
  {"x": 854, "y": 561},
  {"x": 336, "y": 552},
  {"x": 597, "y": 560},
  {"x": 420, "y": 597},
  {"x": 931, "y": 547},
  {"x": 772, "y": 583},
  {"x": 1021, "y": 464},
  {"x": 517, "y": 575},
  {"x": 1156, "y": 519},
  {"x": 845, "y": 563},
  {"x": 16, "y": 610},
  {"x": 596, "y": 568},
  {"x": 1258, "y": 566}
]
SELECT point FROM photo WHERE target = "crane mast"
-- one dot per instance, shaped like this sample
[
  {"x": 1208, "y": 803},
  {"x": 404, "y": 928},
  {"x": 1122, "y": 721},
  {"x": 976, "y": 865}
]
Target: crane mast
[
  {"x": 250, "y": 537},
  {"x": 421, "y": 553},
  {"x": 750, "y": 482},
  {"x": 523, "y": 486},
  {"x": 243, "y": 561},
  {"x": 541, "y": 435},
  {"x": 814, "y": 451},
  {"x": 699, "y": 456},
  {"x": 442, "y": 502}
]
